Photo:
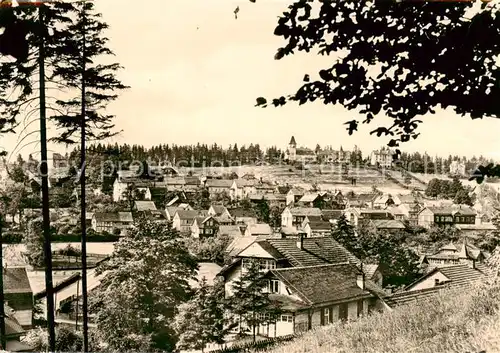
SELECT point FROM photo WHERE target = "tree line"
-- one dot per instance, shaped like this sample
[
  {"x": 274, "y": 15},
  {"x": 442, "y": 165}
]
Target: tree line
[{"x": 199, "y": 154}]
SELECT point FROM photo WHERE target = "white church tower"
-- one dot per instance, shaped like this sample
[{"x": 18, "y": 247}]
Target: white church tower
[{"x": 292, "y": 150}]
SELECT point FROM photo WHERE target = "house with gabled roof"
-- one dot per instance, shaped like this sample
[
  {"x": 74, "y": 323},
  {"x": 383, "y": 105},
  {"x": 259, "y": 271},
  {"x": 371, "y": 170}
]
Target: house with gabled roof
[
  {"x": 259, "y": 229},
  {"x": 233, "y": 231},
  {"x": 386, "y": 200},
  {"x": 14, "y": 332},
  {"x": 365, "y": 200},
  {"x": 331, "y": 215},
  {"x": 204, "y": 227},
  {"x": 171, "y": 210},
  {"x": 219, "y": 186},
  {"x": 311, "y": 200},
  {"x": 444, "y": 281},
  {"x": 285, "y": 252},
  {"x": 243, "y": 216},
  {"x": 294, "y": 216},
  {"x": 316, "y": 226},
  {"x": 174, "y": 183},
  {"x": 390, "y": 225},
  {"x": 446, "y": 216},
  {"x": 320, "y": 295},
  {"x": 293, "y": 196},
  {"x": 453, "y": 254},
  {"x": 218, "y": 211},
  {"x": 357, "y": 215},
  {"x": 121, "y": 185},
  {"x": 18, "y": 295},
  {"x": 183, "y": 219},
  {"x": 110, "y": 221},
  {"x": 241, "y": 188},
  {"x": 191, "y": 183},
  {"x": 143, "y": 206},
  {"x": 459, "y": 275}
]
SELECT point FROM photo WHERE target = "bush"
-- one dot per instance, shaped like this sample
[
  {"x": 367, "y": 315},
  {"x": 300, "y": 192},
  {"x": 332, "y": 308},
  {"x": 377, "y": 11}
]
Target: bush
[
  {"x": 12, "y": 238},
  {"x": 64, "y": 229},
  {"x": 117, "y": 231}
]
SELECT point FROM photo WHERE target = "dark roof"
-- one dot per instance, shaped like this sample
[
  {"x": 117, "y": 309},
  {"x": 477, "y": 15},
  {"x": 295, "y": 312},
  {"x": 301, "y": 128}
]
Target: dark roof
[
  {"x": 241, "y": 212},
  {"x": 284, "y": 189},
  {"x": 142, "y": 206},
  {"x": 462, "y": 210},
  {"x": 158, "y": 191},
  {"x": 305, "y": 211},
  {"x": 367, "y": 197},
  {"x": 219, "y": 209},
  {"x": 60, "y": 285},
  {"x": 331, "y": 214},
  {"x": 192, "y": 180},
  {"x": 324, "y": 283},
  {"x": 459, "y": 285},
  {"x": 12, "y": 326},
  {"x": 15, "y": 280},
  {"x": 320, "y": 225},
  {"x": 186, "y": 214},
  {"x": 114, "y": 217},
  {"x": 388, "y": 224},
  {"x": 292, "y": 141},
  {"x": 316, "y": 251},
  {"x": 264, "y": 244},
  {"x": 219, "y": 183},
  {"x": 458, "y": 275}
]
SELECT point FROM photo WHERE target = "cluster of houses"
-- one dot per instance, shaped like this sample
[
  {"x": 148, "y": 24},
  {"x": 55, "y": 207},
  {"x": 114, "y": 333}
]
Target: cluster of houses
[
  {"x": 314, "y": 280},
  {"x": 312, "y": 212}
]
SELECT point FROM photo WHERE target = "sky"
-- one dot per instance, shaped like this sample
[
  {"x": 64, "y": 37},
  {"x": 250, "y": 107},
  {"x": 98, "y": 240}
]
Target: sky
[{"x": 195, "y": 71}]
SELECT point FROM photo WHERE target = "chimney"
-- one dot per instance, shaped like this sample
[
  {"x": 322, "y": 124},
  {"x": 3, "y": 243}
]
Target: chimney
[
  {"x": 300, "y": 241},
  {"x": 360, "y": 280}
]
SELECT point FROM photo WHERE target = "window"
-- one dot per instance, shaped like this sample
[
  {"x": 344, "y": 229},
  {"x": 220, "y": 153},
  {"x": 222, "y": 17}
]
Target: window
[
  {"x": 267, "y": 265},
  {"x": 208, "y": 231},
  {"x": 462, "y": 219},
  {"x": 246, "y": 263},
  {"x": 274, "y": 286},
  {"x": 326, "y": 316},
  {"x": 286, "y": 318},
  {"x": 343, "y": 311},
  {"x": 360, "y": 308}
]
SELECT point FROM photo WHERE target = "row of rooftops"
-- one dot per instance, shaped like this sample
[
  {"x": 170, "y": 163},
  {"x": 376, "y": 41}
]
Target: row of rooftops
[{"x": 320, "y": 270}]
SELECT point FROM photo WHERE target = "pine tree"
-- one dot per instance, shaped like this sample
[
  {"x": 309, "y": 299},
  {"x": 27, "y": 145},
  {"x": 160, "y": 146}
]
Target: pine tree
[
  {"x": 201, "y": 320},
  {"x": 101, "y": 83},
  {"x": 344, "y": 233},
  {"x": 250, "y": 301}
]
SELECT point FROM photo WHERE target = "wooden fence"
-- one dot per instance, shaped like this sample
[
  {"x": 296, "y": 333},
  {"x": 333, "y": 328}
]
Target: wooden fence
[{"x": 258, "y": 346}]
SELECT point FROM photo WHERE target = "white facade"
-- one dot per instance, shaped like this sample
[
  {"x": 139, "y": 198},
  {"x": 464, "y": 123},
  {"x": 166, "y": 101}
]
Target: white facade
[
  {"x": 382, "y": 158},
  {"x": 286, "y": 218},
  {"x": 457, "y": 168}
]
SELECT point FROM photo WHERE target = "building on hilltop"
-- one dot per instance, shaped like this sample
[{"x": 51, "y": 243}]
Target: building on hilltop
[
  {"x": 320, "y": 155},
  {"x": 382, "y": 158},
  {"x": 457, "y": 168}
]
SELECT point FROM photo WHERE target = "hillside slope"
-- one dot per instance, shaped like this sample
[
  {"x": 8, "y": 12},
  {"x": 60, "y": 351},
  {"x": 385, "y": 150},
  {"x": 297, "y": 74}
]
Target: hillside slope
[{"x": 453, "y": 323}]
